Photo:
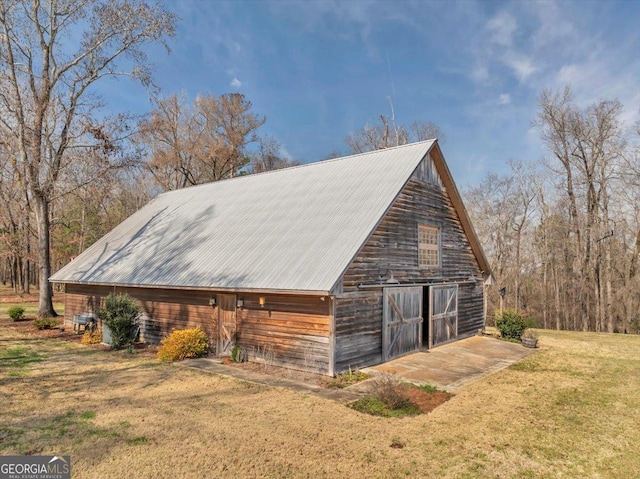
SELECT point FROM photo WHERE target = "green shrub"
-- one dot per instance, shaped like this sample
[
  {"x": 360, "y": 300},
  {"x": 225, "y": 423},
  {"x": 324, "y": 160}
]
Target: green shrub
[
  {"x": 45, "y": 323},
  {"x": 376, "y": 407},
  {"x": 183, "y": 344},
  {"x": 238, "y": 354},
  {"x": 120, "y": 314},
  {"x": 16, "y": 313},
  {"x": 345, "y": 379},
  {"x": 428, "y": 388},
  {"x": 511, "y": 325}
]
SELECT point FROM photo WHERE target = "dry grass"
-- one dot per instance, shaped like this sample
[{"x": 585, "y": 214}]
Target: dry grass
[
  {"x": 571, "y": 410},
  {"x": 9, "y": 298}
]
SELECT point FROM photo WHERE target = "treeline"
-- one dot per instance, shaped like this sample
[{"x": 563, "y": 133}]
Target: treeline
[
  {"x": 563, "y": 235},
  {"x": 69, "y": 171},
  {"x": 178, "y": 144}
]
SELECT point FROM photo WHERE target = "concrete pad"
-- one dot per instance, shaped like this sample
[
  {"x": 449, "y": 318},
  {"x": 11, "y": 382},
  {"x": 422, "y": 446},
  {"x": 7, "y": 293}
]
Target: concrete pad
[
  {"x": 455, "y": 364},
  {"x": 214, "y": 366}
]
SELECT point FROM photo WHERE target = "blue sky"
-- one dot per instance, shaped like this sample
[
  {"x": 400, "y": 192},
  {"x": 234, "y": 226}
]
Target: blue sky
[{"x": 320, "y": 70}]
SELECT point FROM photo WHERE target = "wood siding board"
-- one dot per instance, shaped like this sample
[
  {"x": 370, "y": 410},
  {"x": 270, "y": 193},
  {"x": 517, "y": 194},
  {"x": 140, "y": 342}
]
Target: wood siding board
[
  {"x": 296, "y": 329},
  {"x": 393, "y": 246},
  {"x": 358, "y": 330},
  {"x": 400, "y": 255},
  {"x": 332, "y": 339},
  {"x": 447, "y": 180}
]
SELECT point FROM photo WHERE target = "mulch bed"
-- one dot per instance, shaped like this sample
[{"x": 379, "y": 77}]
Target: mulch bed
[
  {"x": 26, "y": 327},
  {"x": 424, "y": 400}
]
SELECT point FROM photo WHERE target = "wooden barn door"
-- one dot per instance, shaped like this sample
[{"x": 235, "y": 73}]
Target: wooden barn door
[
  {"x": 402, "y": 321},
  {"x": 443, "y": 313},
  {"x": 227, "y": 324}
]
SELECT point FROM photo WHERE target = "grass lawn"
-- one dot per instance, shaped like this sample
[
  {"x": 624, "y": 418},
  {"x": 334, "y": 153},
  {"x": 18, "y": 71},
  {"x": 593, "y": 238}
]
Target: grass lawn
[
  {"x": 571, "y": 410},
  {"x": 29, "y": 302}
]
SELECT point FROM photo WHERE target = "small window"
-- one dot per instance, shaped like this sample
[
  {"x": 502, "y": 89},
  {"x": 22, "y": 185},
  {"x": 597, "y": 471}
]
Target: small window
[{"x": 428, "y": 246}]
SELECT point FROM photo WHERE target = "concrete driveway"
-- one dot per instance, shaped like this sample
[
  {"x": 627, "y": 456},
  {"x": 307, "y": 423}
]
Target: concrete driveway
[{"x": 453, "y": 365}]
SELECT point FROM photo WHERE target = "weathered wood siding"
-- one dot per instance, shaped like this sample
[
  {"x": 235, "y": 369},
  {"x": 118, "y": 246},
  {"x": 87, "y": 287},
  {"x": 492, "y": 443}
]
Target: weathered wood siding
[
  {"x": 470, "y": 309},
  {"x": 358, "y": 329},
  {"x": 167, "y": 309},
  {"x": 290, "y": 330},
  {"x": 393, "y": 246}
]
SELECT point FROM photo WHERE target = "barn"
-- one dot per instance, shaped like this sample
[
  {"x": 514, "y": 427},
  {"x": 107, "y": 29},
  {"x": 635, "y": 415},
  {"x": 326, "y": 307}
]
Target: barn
[{"x": 343, "y": 263}]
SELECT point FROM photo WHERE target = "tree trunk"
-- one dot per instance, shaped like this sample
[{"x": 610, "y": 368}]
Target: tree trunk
[
  {"x": 630, "y": 290},
  {"x": 517, "y": 285},
  {"x": 557, "y": 297},
  {"x": 14, "y": 274},
  {"x": 27, "y": 252},
  {"x": 608, "y": 291},
  {"x": 25, "y": 277},
  {"x": 545, "y": 296},
  {"x": 45, "y": 307}
]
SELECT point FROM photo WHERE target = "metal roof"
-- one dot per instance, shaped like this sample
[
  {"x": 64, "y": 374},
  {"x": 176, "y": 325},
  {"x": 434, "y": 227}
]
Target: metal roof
[{"x": 293, "y": 229}]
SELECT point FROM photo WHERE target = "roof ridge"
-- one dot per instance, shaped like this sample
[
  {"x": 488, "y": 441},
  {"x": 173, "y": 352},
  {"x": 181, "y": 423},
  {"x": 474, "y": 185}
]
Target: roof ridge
[{"x": 304, "y": 165}]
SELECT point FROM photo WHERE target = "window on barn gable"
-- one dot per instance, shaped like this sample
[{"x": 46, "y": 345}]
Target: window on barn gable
[{"x": 428, "y": 246}]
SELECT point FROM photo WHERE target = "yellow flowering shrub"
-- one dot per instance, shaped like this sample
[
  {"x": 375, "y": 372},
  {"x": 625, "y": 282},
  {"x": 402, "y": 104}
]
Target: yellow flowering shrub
[
  {"x": 92, "y": 336},
  {"x": 183, "y": 344}
]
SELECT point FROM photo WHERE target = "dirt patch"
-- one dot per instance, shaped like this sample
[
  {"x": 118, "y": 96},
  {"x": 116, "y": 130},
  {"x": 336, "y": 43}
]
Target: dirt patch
[
  {"x": 26, "y": 327},
  {"x": 426, "y": 401},
  {"x": 8, "y": 295}
]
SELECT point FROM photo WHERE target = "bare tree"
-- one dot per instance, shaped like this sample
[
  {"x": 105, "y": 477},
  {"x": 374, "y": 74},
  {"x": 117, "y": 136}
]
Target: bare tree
[
  {"x": 501, "y": 208},
  {"x": 173, "y": 135},
  {"x": 206, "y": 141},
  {"x": 387, "y": 134},
  {"x": 45, "y": 96},
  {"x": 567, "y": 237},
  {"x": 269, "y": 157},
  {"x": 587, "y": 145}
]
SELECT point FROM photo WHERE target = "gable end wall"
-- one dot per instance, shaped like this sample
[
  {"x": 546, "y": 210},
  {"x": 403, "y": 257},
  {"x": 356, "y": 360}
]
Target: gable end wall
[{"x": 394, "y": 247}]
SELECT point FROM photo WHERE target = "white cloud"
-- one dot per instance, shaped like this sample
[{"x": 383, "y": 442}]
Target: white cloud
[
  {"x": 480, "y": 74},
  {"x": 502, "y": 28},
  {"x": 504, "y": 99},
  {"x": 235, "y": 83},
  {"x": 568, "y": 74},
  {"x": 523, "y": 67}
]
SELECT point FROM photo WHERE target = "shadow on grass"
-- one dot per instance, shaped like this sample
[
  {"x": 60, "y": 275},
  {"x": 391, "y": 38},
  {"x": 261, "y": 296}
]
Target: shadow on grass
[{"x": 73, "y": 432}]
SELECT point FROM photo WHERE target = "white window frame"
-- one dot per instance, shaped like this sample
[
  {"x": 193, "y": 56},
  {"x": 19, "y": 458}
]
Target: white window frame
[{"x": 429, "y": 246}]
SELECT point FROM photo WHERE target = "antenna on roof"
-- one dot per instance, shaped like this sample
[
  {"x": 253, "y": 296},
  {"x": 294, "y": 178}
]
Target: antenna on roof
[
  {"x": 391, "y": 98},
  {"x": 393, "y": 89}
]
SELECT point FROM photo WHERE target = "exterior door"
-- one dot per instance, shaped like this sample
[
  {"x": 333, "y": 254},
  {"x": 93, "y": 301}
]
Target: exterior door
[
  {"x": 443, "y": 313},
  {"x": 227, "y": 324},
  {"x": 402, "y": 321}
]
